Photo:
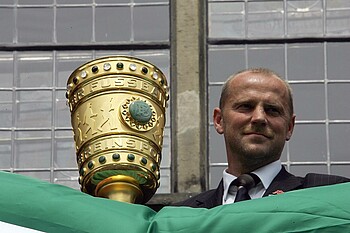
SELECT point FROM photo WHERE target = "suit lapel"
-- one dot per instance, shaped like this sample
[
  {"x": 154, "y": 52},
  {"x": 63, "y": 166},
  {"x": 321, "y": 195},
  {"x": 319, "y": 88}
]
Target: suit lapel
[
  {"x": 212, "y": 198},
  {"x": 285, "y": 182}
]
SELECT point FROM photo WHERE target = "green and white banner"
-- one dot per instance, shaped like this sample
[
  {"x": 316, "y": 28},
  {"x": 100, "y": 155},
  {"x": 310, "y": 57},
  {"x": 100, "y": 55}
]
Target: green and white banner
[
  {"x": 29, "y": 205},
  {"x": 11, "y": 228}
]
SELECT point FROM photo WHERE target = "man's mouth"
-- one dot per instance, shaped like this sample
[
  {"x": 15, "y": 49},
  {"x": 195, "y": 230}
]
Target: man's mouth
[{"x": 264, "y": 134}]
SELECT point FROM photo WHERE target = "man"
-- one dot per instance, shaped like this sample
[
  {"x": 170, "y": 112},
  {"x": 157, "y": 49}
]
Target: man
[{"x": 256, "y": 118}]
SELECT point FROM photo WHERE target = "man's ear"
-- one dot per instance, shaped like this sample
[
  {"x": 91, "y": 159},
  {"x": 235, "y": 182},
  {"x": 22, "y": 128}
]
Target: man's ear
[
  {"x": 290, "y": 127},
  {"x": 218, "y": 121}
]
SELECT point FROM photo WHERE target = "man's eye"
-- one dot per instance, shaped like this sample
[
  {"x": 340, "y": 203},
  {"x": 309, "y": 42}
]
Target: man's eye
[
  {"x": 272, "y": 110},
  {"x": 245, "y": 106}
]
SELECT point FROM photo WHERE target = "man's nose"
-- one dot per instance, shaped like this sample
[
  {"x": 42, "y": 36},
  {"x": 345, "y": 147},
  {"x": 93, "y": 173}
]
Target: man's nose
[{"x": 259, "y": 115}]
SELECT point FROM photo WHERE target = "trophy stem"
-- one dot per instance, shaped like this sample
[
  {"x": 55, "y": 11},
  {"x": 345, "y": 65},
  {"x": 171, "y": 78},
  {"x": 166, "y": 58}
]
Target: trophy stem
[{"x": 120, "y": 188}]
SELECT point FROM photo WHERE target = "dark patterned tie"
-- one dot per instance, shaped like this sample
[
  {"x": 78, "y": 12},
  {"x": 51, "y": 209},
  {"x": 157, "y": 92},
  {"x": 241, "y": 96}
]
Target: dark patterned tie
[{"x": 244, "y": 183}]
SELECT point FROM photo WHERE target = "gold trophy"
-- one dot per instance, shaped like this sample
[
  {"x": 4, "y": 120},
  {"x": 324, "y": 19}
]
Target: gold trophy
[{"x": 117, "y": 107}]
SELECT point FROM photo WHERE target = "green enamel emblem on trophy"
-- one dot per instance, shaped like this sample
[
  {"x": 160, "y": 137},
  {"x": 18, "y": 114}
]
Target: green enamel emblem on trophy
[{"x": 140, "y": 111}]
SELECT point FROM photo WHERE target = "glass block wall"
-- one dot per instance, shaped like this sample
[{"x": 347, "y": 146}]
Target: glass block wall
[
  {"x": 41, "y": 43},
  {"x": 308, "y": 43}
]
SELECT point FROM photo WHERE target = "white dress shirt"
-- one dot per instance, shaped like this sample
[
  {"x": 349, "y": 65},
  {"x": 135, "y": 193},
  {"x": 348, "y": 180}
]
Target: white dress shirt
[{"x": 266, "y": 175}]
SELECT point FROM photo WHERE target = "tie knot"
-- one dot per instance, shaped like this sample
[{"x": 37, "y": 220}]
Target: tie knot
[{"x": 248, "y": 181}]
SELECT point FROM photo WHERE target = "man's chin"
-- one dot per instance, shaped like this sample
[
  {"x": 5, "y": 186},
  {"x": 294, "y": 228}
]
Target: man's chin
[
  {"x": 257, "y": 144},
  {"x": 257, "y": 151}
]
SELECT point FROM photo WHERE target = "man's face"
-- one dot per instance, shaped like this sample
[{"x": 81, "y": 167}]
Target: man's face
[{"x": 255, "y": 119}]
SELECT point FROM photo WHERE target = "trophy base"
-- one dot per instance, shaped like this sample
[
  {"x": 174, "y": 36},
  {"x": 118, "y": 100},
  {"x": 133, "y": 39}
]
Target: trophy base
[{"x": 120, "y": 188}]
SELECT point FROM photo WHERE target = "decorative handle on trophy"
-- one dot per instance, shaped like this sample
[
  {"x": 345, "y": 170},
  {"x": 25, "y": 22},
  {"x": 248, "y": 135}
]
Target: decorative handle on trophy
[{"x": 117, "y": 109}]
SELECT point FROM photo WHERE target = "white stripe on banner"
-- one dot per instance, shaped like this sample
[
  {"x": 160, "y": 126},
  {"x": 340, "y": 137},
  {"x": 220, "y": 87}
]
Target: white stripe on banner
[{"x": 10, "y": 228}]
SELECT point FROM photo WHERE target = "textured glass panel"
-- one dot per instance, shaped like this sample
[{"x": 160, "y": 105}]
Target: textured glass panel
[
  {"x": 64, "y": 155},
  {"x": 67, "y": 178},
  {"x": 284, "y": 157},
  {"x": 42, "y": 175},
  {"x": 224, "y": 61},
  {"x": 302, "y": 170},
  {"x": 5, "y": 135},
  {"x": 31, "y": 27},
  {"x": 6, "y": 67},
  {"x": 226, "y": 20},
  {"x": 165, "y": 185},
  {"x": 34, "y": 109},
  {"x": 339, "y": 138},
  {"x": 338, "y": 101},
  {"x": 214, "y": 93},
  {"x": 217, "y": 149},
  {"x": 308, "y": 143},
  {"x": 74, "y": 1},
  {"x": 6, "y": 109},
  {"x": 74, "y": 24},
  {"x": 341, "y": 170},
  {"x": 151, "y": 23},
  {"x": 151, "y": 1},
  {"x": 160, "y": 58},
  {"x": 338, "y": 17},
  {"x": 111, "y": 1},
  {"x": 104, "y": 53},
  {"x": 5, "y": 153},
  {"x": 338, "y": 4},
  {"x": 7, "y": 25},
  {"x": 6, "y": 2},
  {"x": 265, "y": 19},
  {"x": 338, "y": 57},
  {"x": 305, "y": 18},
  {"x": 168, "y": 113},
  {"x": 215, "y": 176},
  {"x": 33, "y": 149},
  {"x": 268, "y": 56},
  {"x": 66, "y": 63},
  {"x": 62, "y": 110},
  {"x": 309, "y": 101},
  {"x": 113, "y": 24},
  {"x": 166, "y": 149},
  {"x": 305, "y": 61},
  {"x": 35, "y": 70},
  {"x": 34, "y": 2}
]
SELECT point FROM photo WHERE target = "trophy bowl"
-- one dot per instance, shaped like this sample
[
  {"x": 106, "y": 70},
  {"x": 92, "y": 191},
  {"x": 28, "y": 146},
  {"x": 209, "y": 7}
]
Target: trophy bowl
[{"x": 117, "y": 107}]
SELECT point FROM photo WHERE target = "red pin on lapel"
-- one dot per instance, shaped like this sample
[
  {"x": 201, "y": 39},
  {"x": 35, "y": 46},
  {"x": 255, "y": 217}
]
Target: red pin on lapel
[{"x": 277, "y": 192}]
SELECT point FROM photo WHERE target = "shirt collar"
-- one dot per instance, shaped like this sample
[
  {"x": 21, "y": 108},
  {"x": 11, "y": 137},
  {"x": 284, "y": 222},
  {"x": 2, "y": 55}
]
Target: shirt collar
[
  {"x": 268, "y": 172},
  {"x": 266, "y": 175}
]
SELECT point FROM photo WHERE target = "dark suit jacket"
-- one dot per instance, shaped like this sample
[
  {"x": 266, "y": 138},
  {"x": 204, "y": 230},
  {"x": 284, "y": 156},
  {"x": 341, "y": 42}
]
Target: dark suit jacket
[{"x": 283, "y": 181}]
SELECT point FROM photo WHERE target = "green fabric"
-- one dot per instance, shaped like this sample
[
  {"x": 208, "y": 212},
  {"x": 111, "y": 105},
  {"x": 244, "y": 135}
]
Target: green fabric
[{"x": 53, "y": 208}]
